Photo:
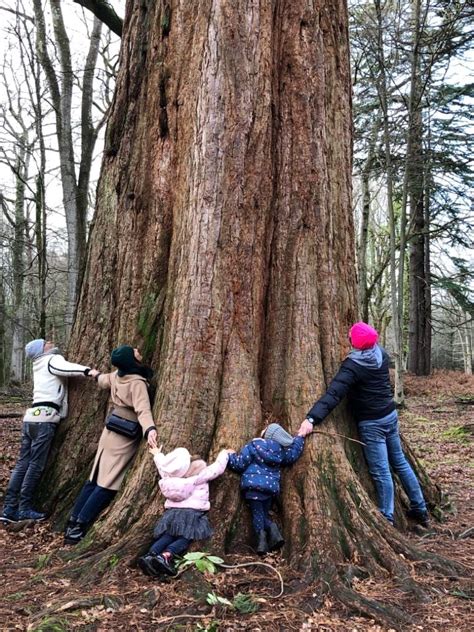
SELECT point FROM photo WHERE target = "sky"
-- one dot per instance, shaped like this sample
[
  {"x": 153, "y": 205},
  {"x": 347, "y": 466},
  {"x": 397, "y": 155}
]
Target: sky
[{"x": 78, "y": 21}]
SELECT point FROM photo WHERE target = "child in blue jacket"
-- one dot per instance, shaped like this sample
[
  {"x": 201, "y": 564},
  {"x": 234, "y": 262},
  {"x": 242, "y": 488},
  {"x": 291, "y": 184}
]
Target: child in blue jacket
[{"x": 260, "y": 462}]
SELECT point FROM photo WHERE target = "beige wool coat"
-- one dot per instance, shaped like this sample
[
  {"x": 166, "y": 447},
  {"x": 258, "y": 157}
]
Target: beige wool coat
[{"x": 129, "y": 397}]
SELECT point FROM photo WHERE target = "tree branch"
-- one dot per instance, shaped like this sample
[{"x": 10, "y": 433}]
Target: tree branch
[{"x": 105, "y": 13}]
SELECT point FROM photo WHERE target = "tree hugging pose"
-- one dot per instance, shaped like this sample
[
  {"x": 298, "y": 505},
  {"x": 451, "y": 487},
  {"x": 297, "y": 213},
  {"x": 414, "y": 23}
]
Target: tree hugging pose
[
  {"x": 130, "y": 420},
  {"x": 50, "y": 380},
  {"x": 185, "y": 485},
  {"x": 364, "y": 377}
]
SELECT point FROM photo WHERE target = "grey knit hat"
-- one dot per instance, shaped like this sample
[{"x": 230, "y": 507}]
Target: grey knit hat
[
  {"x": 276, "y": 433},
  {"x": 34, "y": 348}
]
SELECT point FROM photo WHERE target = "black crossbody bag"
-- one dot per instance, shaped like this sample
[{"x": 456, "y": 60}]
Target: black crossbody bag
[{"x": 124, "y": 427}]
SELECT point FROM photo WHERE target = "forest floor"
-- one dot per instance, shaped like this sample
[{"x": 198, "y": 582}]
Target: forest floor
[{"x": 38, "y": 594}]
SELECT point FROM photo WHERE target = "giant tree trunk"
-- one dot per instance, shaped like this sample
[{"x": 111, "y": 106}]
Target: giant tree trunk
[{"x": 223, "y": 246}]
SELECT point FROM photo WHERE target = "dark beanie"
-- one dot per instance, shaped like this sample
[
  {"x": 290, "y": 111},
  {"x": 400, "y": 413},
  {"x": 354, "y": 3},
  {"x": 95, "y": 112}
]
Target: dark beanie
[{"x": 123, "y": 358}]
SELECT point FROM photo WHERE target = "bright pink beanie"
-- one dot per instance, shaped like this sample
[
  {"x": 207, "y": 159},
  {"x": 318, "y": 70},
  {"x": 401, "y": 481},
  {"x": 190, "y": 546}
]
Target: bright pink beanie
[{"x": 363, "y": 336}]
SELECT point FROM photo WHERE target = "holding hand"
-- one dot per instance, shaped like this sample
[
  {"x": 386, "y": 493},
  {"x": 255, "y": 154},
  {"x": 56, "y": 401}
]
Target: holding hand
[
  {"x": 154, "y": 451},
  {"x": 152, "y": 436},
  {"x": 230, "y": 451},
  {"x": 93, "y": 373},
  {"x": 306, "y": 428}
]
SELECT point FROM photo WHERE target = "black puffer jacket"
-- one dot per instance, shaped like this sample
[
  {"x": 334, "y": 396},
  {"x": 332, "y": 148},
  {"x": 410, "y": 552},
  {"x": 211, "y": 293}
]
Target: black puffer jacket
[{"x": 368, "y": 390}]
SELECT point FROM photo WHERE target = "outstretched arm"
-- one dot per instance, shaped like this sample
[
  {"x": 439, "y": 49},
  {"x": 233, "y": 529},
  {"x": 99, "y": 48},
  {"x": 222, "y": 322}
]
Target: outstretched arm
[
  {"x": 214, "y": 470},
  {"x": 62, "y": 368},
  {"x": 345, "y": 378},
  {"x": 240, "y": 462},
  {"x": 293, "y": 452}
]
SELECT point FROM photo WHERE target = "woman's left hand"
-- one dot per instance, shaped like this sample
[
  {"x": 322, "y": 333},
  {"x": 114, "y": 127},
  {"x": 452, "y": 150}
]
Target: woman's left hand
[{"x": 152, "y": 436}]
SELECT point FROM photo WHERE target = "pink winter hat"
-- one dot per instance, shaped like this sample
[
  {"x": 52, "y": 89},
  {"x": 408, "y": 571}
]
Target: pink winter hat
[
  {"x": 363, "y": 336},
  {"x": 175, "y": 463}
]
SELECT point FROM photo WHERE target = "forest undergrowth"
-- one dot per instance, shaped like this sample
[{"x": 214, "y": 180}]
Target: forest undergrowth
[{"x": 40, "y": 594}]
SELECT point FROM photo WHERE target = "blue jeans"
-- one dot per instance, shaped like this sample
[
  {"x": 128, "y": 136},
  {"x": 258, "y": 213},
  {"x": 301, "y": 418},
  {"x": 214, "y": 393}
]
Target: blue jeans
[
  {"x": 382, "y": 451},
  {"x": 177, "y": 545},
  {"x": 91, "y": 501},
  {"x": 36, "y": 440}
]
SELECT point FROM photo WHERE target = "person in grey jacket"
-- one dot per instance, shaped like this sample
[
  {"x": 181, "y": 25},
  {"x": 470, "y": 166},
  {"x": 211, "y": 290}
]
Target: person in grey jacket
[{"x": 50, "y": 373}]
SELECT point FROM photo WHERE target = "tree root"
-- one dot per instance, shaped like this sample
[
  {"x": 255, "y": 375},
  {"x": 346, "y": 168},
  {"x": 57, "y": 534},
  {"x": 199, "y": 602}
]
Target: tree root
[
  {"x": 282, "y": 587},
  {"x": 383, "y": 613}
]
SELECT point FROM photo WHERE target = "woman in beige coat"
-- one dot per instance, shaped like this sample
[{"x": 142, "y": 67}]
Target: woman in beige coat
[{"x": 129, "y": 420}]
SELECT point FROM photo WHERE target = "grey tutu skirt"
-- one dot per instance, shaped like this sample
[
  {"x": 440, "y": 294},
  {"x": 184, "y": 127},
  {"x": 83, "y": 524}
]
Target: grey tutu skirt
[{"x": 187, "y": 523}]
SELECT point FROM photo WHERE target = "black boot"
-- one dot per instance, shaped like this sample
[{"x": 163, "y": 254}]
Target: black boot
[
  {"x": 275, "y": 539},
  {"x": 76, "y": 533},
  {"x": 262, "y": 545},
  {"x": 163, "y": 565},
  {"x": 421, "y": 517}
]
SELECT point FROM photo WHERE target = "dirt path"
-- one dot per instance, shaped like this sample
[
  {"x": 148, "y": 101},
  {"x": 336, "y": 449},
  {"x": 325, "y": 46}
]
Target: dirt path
[{"x": 39, "y": 592}]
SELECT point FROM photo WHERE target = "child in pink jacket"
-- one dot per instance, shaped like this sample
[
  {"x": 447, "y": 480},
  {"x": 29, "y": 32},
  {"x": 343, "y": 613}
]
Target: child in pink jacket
[{"x": 185, "y": 485}]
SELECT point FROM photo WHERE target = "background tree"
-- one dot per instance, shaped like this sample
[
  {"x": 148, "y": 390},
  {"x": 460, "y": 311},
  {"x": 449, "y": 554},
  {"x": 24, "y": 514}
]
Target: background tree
[
  {"x": 35, "y": 265},
  {"x": 223, "y": 246},
  {"x": 402, "y": 53},
  {"x": 75, "y": 184}
]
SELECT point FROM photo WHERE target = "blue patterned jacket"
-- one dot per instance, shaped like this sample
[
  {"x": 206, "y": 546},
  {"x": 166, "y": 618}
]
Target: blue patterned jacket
[{"x": 260, "y": 462}]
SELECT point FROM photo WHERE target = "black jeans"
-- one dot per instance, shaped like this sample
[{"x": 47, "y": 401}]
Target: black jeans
[
  {"x": 36, "y": 441},
  {"x": 91, "y": 501}
]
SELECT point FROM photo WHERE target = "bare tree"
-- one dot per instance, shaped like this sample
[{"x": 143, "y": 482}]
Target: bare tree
[{"x": 75, "y": 185}]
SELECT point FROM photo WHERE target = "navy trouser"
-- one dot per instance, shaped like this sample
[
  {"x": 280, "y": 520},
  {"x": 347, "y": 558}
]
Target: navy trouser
[
  {"x": 91, "y": 501},
  {"x": 260, "y": 510},
  {"x": 177, "y": 545},
  {"x": 36, "y": 440}
]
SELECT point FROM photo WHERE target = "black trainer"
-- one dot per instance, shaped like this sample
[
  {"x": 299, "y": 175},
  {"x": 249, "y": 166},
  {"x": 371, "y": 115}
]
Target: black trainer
[
  {"x": 9, "y": 516},
  {"x": 70, "y": 524},
  {"x": 275, "y": 539},
  {"x": 75, "y": 534}
]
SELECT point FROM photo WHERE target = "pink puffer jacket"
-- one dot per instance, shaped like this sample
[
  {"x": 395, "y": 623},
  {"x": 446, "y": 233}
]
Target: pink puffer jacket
[{"x": 192, "y": 492}]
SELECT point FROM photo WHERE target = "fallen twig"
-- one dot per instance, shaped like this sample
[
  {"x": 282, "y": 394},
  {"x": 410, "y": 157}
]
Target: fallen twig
[
  {"x": 337, "y": 434},
  {"x": 466, "y": 534},
  {"x": 181, "y": 616}
]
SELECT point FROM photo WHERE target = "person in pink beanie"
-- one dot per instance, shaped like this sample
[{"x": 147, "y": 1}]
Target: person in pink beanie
[
  {"x": 364, "y": 378},
  {"x": 185, "y": 485}
]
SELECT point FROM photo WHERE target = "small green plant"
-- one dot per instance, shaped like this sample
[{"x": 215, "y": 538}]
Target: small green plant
[
  {"x": 51, "y": 624},
  {"x": 213, "y": 626},
  {"x": 15, "y": 596},
  {"x": 203, "y": 562},
  {"x": 42, "y": 561},
  {"x": 215, "y": 600},
  {"x": 456, "y": 433},
  {"x": 114, "y": 560},
  {"x": 245, "y": 604}
]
